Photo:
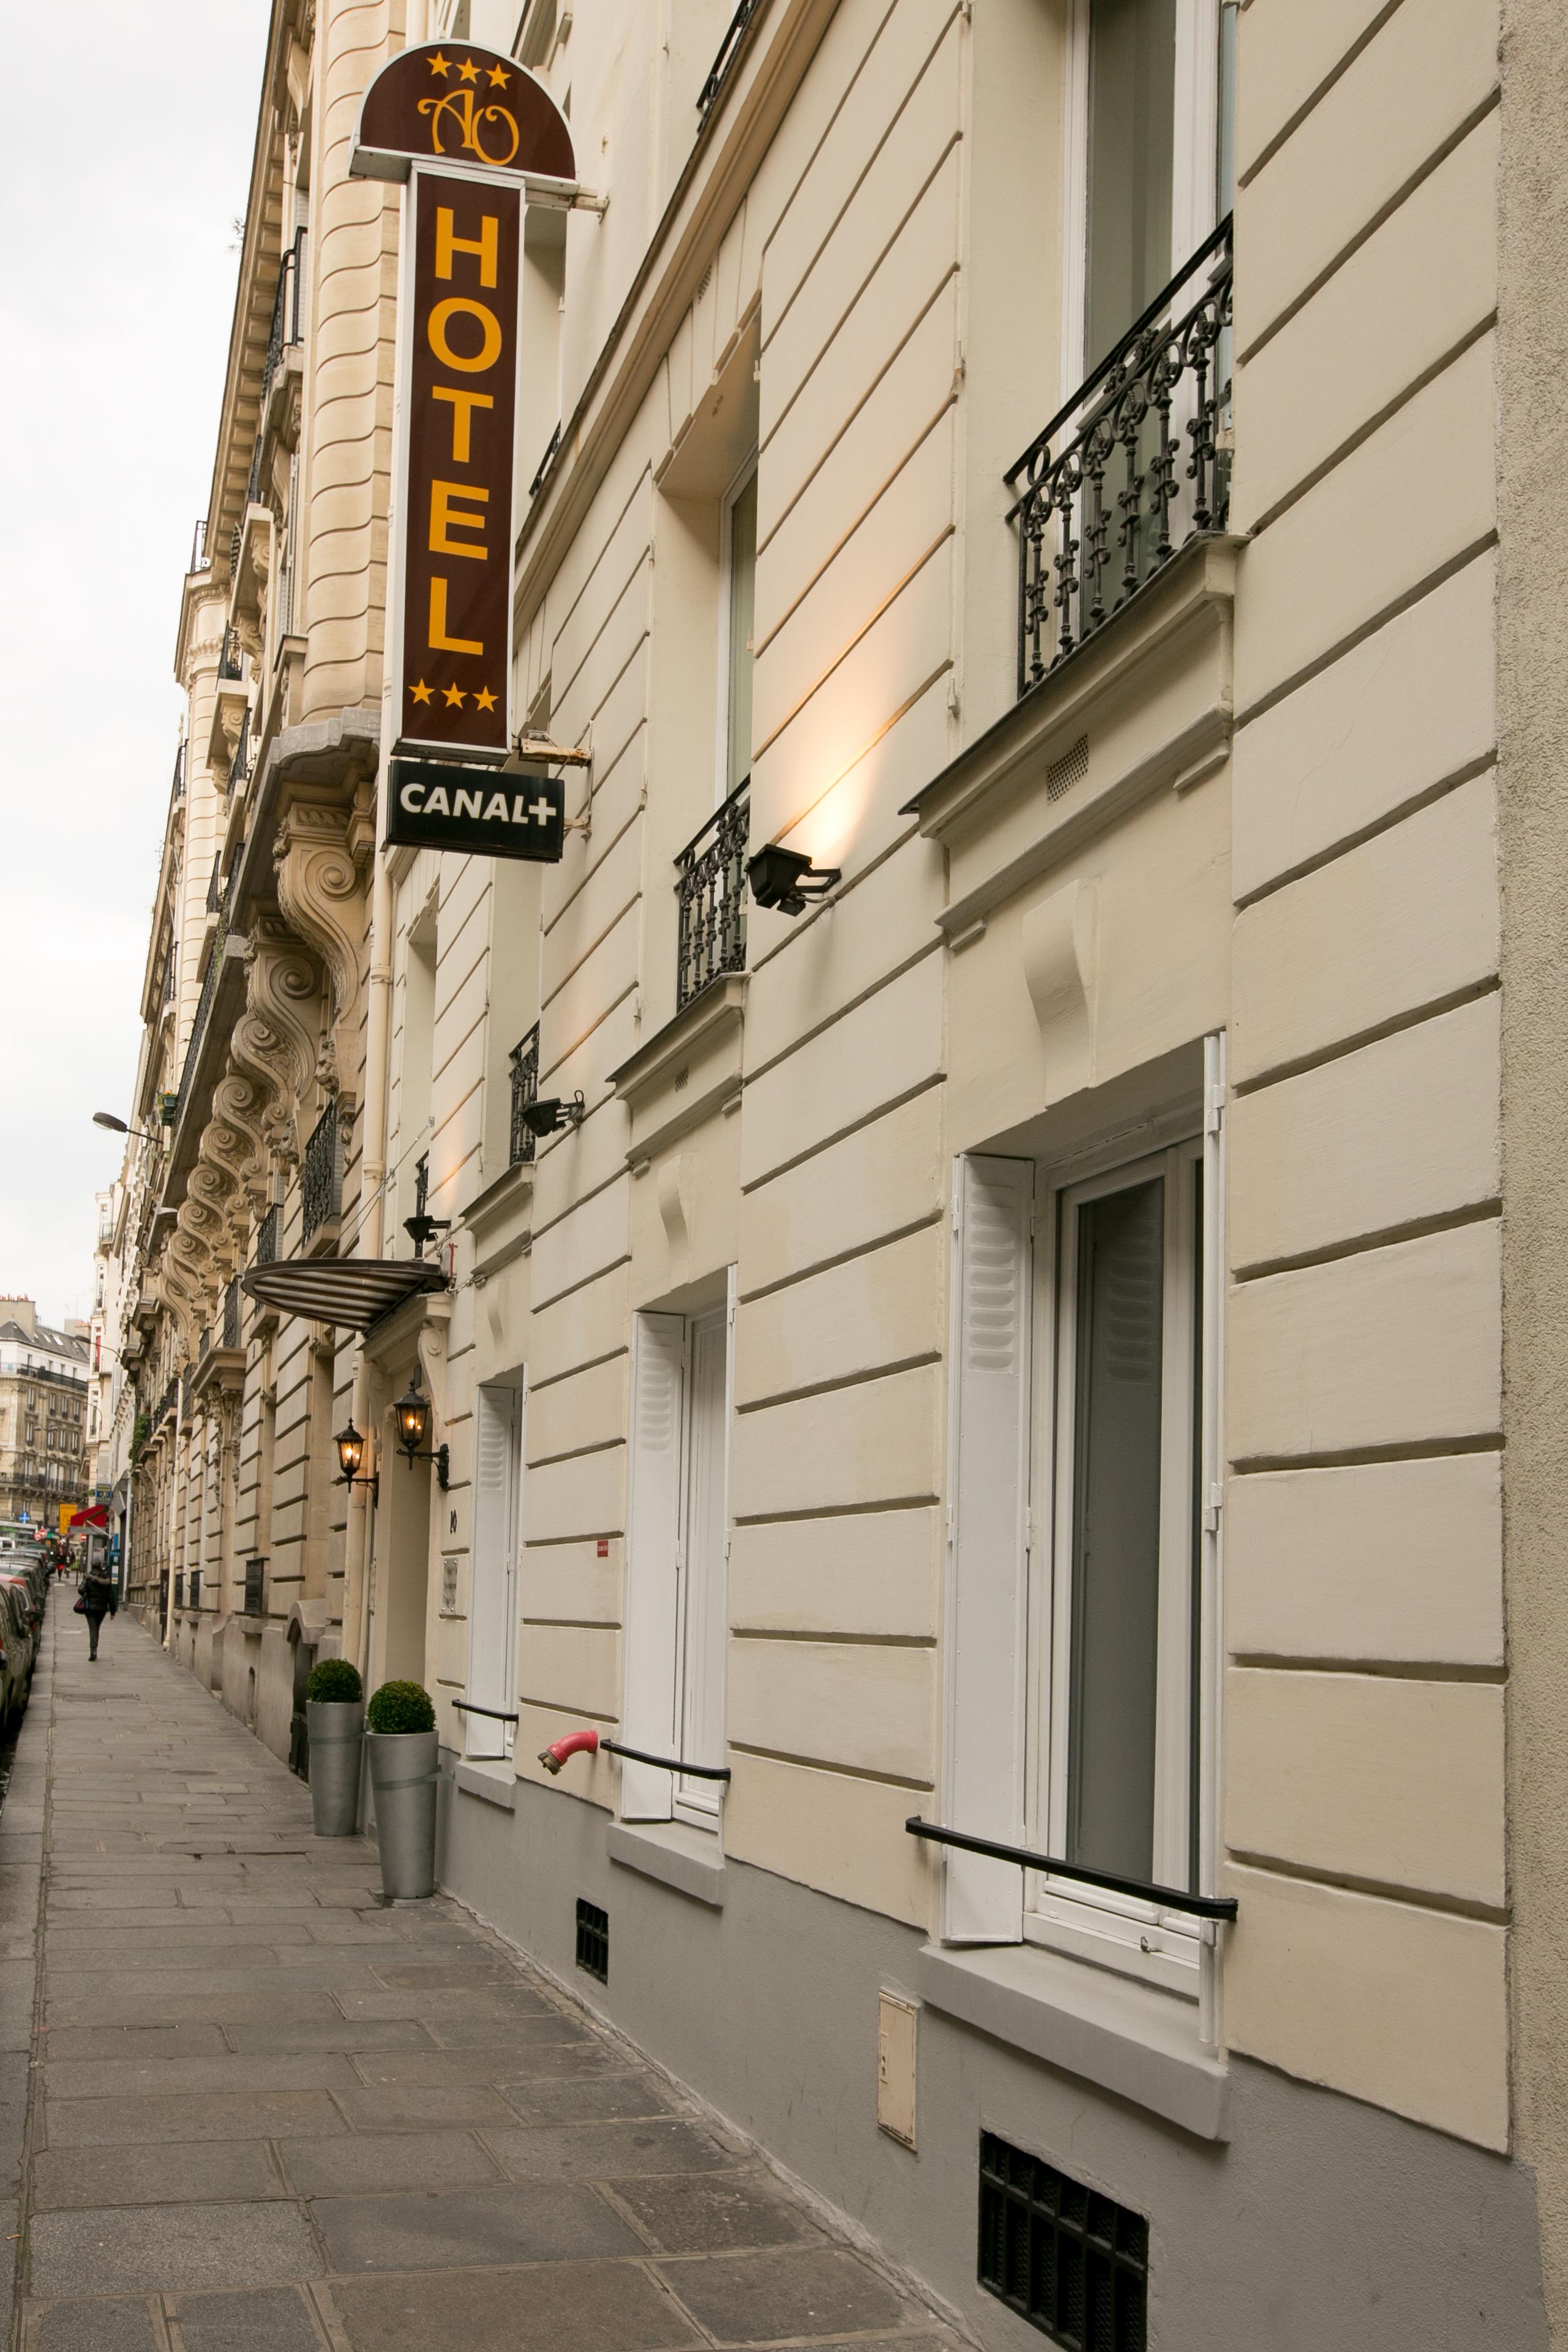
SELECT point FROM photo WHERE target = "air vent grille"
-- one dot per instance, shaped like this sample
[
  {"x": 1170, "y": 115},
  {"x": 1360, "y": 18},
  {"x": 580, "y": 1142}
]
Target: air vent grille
[
  {"x": 1070, "y": 770},
  {"x": 1072, "y": 2262},
  {"x": 594, "y": 1940}
]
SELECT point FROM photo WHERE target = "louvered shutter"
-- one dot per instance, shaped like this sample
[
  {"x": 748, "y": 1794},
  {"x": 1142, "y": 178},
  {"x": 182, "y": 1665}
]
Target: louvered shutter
[
  {"x": 491, "y": 1584},
  {"x": 653, "y": 1533},
  {"x": 988, "y": 1539}
]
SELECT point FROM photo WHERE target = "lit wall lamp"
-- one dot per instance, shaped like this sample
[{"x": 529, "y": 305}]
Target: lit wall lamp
[
  {"x": 783, "y": 878},
  {"x": 412, "y": 1412},
  {"x": 350, "y": 1448},
  {"x": 543, "y": 1116}
]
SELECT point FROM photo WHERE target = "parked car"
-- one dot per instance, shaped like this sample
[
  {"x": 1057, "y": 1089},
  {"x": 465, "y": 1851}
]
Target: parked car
[{"x": 18, "y": 1647}]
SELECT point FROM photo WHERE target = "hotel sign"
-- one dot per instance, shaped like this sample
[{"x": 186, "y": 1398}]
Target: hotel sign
[{"x": 475, "y": 137}]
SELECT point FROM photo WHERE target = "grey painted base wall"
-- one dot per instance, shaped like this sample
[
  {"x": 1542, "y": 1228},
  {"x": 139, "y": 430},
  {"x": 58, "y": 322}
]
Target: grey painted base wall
[{"x": 1320, "y": 2225}]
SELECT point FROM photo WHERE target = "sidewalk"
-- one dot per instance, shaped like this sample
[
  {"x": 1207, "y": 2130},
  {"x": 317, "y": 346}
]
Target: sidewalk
[{"x": 267, "y": 2113}]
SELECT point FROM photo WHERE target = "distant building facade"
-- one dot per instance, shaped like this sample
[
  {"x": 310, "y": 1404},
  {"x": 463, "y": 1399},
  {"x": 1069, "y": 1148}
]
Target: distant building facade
[
  {"x": 44, "y": 1404},
  {"x": 1056, "y": 1338}
]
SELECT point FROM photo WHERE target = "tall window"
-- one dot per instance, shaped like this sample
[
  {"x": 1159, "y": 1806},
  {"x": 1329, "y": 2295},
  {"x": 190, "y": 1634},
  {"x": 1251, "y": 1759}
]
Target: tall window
[
  {"x": 739, "y": 627},
  {"x": 493, "y": 1569},
  {"x": 1143, "y": 138},
  {"x": 677, "y": 1560},
  {"x": 1083, "y": 1628}
]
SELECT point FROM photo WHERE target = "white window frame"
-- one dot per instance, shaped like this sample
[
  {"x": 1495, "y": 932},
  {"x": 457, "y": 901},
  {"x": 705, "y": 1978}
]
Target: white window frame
[
  {"x": 740, "y": 481},
  {"x": 1194, "y": 175},
  {"x": 486, "y": 1740},
  {"x": 1056, "y": 1911},
  {"x": 661, "y": 1628}
]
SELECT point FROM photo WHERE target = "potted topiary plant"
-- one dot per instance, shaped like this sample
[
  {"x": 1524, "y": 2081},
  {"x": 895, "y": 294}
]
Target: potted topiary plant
[
  {"x": 335, "y": 1718},
  {"x": 400, "y": 1739}
]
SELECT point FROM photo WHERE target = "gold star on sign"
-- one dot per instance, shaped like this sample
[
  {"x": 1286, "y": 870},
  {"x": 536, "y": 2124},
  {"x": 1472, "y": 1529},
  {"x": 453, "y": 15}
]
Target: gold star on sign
[
  {"x": 455, "y": 695},
  {"x": 438, "y": 64},
  {"x": 499, "y": 77},
  {"x": 469, "y": 71},
  {"x": 483, "y": 700},
  {"x": 421, "y": 692}
]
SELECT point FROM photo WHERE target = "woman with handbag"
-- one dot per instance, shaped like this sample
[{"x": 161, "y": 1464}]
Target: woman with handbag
[{"x": 97, "y": 1600}]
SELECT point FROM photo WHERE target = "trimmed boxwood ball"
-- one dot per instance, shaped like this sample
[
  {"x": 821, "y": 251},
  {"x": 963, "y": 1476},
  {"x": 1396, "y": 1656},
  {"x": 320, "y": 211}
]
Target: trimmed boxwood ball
[
  {"x": 334, "y": 1679},
  {"x": 401, "y": 1706}
]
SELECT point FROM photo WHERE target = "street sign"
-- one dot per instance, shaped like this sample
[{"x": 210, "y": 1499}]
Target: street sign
[{"x": 437, "y": 804}]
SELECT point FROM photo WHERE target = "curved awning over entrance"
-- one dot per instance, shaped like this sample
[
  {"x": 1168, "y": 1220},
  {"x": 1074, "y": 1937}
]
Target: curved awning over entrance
[{"x": 352, "y": 1292}]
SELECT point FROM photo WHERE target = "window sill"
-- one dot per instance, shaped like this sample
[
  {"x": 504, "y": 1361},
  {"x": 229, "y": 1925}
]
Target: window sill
[
  {"x": 1126, "y": 2037},
  {"x": 494, "y": 1784},
  {"x": 688, "y": 1860}
]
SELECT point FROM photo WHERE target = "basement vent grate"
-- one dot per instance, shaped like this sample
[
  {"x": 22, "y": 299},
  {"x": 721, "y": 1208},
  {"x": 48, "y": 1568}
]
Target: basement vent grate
[
  {"x": 594, "y": 1940},
  {"x": 1072, "y": 2263},
  {"x": 1070, "y": 770}
]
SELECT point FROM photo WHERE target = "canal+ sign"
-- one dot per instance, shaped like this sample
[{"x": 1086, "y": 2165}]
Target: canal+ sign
[{"x": 438, "y": 804}]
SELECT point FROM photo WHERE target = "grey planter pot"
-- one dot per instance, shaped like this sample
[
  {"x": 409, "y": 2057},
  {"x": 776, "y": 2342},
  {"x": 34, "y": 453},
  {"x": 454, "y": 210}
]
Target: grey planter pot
[
  {"x": 336, "y": 1735},
  {"x": 404, "y": 1775}
]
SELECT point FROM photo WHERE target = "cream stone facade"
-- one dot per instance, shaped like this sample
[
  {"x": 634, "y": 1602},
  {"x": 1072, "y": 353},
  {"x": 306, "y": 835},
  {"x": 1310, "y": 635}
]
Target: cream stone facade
[{"x": 1057, "y": 1338}]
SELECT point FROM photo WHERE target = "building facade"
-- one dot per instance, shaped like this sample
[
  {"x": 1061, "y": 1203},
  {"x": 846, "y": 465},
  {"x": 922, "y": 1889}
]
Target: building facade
[
  {"x": 44, "y": 1404},
  {"x": 1036, "y": 1318}
]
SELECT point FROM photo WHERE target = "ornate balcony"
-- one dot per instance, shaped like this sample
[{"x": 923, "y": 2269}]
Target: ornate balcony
[
  {"x": 525, "y": 1059},
  {"x": 710, "y": 885},
  {"x": 321, "y": 1173},
  {"x": 1104, "y": 497}
]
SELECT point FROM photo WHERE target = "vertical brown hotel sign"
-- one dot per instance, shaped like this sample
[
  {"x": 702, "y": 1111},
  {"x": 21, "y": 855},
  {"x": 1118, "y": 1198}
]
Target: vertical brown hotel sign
[{"x": 472, "y": 133}]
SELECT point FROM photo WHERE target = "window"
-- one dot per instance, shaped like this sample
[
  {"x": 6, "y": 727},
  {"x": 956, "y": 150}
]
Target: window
[
  {"x": 739, "y": 609},
  {"x": 677, "y": 1560},
  {"x": 1145, "y": 128},
  {"x": 493, "y": 1569},
  {"x": 1083, "y": 1628}
]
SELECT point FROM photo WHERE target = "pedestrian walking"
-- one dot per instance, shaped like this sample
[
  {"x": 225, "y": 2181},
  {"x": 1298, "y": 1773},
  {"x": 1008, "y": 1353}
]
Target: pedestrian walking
[{"x": 97, "y": 1600}]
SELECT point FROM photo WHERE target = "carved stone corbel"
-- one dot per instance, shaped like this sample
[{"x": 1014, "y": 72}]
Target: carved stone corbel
[
  {"x": 319, "y": 891},
  {"x": 275, "y": 1038},
  {"x": 236, "y": 1139}
]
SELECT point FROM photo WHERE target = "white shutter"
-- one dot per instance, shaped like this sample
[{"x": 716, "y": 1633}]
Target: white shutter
[
  {"x": 653, "y": 1532},
  {"x": 988, "y": 1452},
  {"x": 491, "y": 1586}
]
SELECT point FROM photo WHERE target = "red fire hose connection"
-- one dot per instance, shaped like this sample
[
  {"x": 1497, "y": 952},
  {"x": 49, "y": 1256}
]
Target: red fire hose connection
[{"x": 576, "y": 1743}]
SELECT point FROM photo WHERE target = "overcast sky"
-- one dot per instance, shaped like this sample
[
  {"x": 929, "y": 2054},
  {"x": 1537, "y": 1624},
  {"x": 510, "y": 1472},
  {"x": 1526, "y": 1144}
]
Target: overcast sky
[{"x": 126, "y": 131}]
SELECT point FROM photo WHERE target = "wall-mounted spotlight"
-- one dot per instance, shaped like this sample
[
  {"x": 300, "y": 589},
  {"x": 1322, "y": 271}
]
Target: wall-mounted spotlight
[
  {"x": 543, "y": 1116},
  {"x": 412, "y": 1410},
  {"x": 783, "y": 878},
  {"x": 350, "y": 1448}
]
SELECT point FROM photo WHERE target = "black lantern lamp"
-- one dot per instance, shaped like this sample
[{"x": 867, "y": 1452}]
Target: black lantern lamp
[
  {"x": 350, "y": 1448},
  {"x": 546, "y": 1113},
  {"x": 412, "y": 1410},
  {"x": 783, "y": 878}
]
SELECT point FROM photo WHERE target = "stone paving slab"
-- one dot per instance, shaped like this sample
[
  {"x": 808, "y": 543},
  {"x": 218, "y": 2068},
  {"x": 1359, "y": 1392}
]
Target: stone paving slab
[{"x": 265, "y": 2113}]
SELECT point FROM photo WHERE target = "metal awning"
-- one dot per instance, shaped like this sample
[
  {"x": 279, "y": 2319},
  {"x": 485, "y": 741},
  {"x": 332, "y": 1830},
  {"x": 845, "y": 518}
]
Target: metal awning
[{"x": 353, "y": 1292}]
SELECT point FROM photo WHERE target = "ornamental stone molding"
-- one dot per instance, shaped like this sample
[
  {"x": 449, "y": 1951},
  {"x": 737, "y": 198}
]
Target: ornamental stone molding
[
  {"x": 235, "y": 1138},
  {"x": 319, "y": 891},
  {"x": 275, "y": 1039}
]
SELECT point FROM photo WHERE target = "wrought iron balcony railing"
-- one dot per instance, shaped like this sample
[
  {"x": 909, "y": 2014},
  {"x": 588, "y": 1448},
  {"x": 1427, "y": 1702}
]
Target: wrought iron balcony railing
[
  {"x": 321, "y": 1173},
  {"x": 266, "y": 1237},
  {"x": 178, "y": 788},
  {"x": 286, "y": 310},
  {"x": 727, "y": 50},
  {"x": 239, "y": 766},
  {"x": 525, "y": 1060},
  {"x": 231, "y": 1324},
  {"x": 215, "y": 884},
  {"x": 1104, "y": 497},
  {"x": 710, "y": 886},
  {"x": 231, "y": 660},
  {"x": 552, "y": 446},
  {"x": 203, "y": 1006}
]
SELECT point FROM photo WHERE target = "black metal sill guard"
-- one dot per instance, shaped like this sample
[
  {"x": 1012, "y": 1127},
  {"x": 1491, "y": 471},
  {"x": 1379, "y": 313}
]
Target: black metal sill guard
[
  {"x": 1171, "y": 1898},
  {"x": 666, "y": 1763},
  {"x": 496, "y": 1714}
]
